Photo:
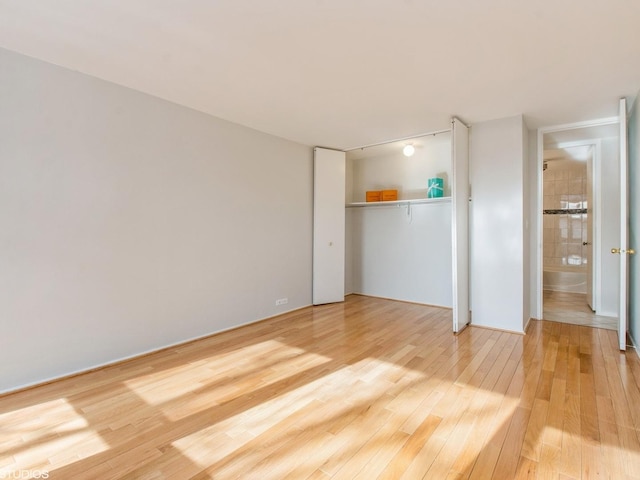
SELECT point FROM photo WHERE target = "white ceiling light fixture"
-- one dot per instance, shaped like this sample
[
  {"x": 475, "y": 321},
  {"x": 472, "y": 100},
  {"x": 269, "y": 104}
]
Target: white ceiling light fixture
[{"x": 408, "y": 150}]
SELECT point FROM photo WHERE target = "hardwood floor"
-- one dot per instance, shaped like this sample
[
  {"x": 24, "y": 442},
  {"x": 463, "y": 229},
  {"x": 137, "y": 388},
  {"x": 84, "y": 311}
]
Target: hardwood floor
[
  {"x": 366, "y": 389},
  {"x": 568, "y": 307}
]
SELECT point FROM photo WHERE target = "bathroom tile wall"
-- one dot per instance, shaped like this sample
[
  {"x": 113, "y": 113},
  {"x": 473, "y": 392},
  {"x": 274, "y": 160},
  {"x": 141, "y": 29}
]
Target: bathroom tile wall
[{"x": 564, "y": 187}]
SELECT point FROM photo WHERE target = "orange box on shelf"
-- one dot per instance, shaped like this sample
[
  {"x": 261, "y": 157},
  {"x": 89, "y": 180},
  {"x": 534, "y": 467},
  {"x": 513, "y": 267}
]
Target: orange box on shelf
[
  {"x": 389, "y": 195},
  {"x": 374, "y": 196}
]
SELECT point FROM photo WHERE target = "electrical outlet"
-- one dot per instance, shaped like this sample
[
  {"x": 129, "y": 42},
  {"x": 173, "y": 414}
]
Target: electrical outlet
[{"x": 282, "y": 301}]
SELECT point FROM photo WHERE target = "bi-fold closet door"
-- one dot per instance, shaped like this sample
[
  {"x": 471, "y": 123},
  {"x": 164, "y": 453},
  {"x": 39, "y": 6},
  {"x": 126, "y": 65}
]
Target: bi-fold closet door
[
  {"x": 460, "y": 197},
  {"x": 329, "y": 171},
  {"x": 329, "y": 225}
]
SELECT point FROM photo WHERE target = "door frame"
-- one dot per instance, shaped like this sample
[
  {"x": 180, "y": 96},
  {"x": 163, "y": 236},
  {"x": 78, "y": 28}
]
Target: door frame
[
  {"x": 597, "y": 206},
  {"x": 623, "y": 250}
]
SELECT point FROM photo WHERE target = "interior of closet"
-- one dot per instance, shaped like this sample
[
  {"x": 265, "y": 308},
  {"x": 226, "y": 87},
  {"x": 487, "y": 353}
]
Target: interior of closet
[{"x": 400, "y": 249}]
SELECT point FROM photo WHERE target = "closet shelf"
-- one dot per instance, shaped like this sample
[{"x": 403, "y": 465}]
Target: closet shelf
[{"x": 416, "y": 201}]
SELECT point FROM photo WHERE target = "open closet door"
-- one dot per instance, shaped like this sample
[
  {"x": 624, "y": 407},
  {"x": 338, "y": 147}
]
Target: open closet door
[
  {"x": 460, "y": 224},
  {"x": 328, "y": 225}
]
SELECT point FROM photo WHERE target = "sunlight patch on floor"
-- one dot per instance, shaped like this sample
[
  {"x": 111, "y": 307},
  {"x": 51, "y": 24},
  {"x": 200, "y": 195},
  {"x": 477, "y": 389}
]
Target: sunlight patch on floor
[
  {"x": 52, "y": 430},
  {"x": 222, "y": 377}
]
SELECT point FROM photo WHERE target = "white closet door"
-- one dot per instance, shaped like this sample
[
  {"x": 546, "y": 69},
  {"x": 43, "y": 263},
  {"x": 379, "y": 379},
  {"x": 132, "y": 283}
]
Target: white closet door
[
  {"x": 328, "y": 226},
  {"x": 460, "y": 224}
]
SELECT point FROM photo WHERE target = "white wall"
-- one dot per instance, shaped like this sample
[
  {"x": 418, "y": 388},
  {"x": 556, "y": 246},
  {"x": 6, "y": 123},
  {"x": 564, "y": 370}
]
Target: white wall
[
  {"x": 402, "y": 255},
  {"x": 348, "y": 244},
  {"x": 634, "y": 221},
  {"x": 384, "y": 167},
  {"x": 497, "y": 159},
  {"x": 130, "y": 223}
]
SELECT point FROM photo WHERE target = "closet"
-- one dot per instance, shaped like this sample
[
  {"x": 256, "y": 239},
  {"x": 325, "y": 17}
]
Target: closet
[
  {"x": 414, "y": 248},
  {"x": 400, "y": 249}
]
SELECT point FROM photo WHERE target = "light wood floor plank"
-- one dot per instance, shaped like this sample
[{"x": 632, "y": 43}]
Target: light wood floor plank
[
  {"x": 366, "y": 389},
  {"x": 404, "y": 457},
  {"x": 571, "y": 453}
]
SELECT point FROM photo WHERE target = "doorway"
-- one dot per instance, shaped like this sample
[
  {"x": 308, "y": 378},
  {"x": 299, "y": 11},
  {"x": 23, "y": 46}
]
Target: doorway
[{"x": 578, "y": 211}]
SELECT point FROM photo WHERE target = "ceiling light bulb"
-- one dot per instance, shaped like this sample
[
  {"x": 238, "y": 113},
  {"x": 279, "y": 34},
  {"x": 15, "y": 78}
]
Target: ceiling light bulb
[{"x": 408, "y": 150}]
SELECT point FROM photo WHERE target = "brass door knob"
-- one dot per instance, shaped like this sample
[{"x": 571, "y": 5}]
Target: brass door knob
[{"x": 630, "y": 251}]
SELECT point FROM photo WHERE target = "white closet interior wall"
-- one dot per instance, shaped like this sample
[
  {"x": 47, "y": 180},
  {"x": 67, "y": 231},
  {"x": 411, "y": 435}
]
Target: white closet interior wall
[{"x": 401, "y": 252}]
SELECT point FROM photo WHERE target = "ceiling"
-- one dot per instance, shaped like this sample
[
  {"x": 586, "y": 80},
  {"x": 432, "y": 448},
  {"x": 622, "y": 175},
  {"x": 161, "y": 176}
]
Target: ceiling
[
  {"x": 576, "y": 154},
  {"x": 344, "y": 74},
  {"x": 575, "y": 144},
  {"x": 580, "y": 135}
]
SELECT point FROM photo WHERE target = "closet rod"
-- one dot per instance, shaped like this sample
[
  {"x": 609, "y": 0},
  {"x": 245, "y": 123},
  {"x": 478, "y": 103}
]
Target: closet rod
[{"x": 437, "y": 132}]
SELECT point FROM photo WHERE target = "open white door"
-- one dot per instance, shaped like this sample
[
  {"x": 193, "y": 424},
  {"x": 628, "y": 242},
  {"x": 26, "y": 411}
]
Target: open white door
[
  {"x": 587, "y": 240},
  {"x": 460, "y": 224},
  {"x": 328, "y": 226},
  {"x": 623, "y": 251}
]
